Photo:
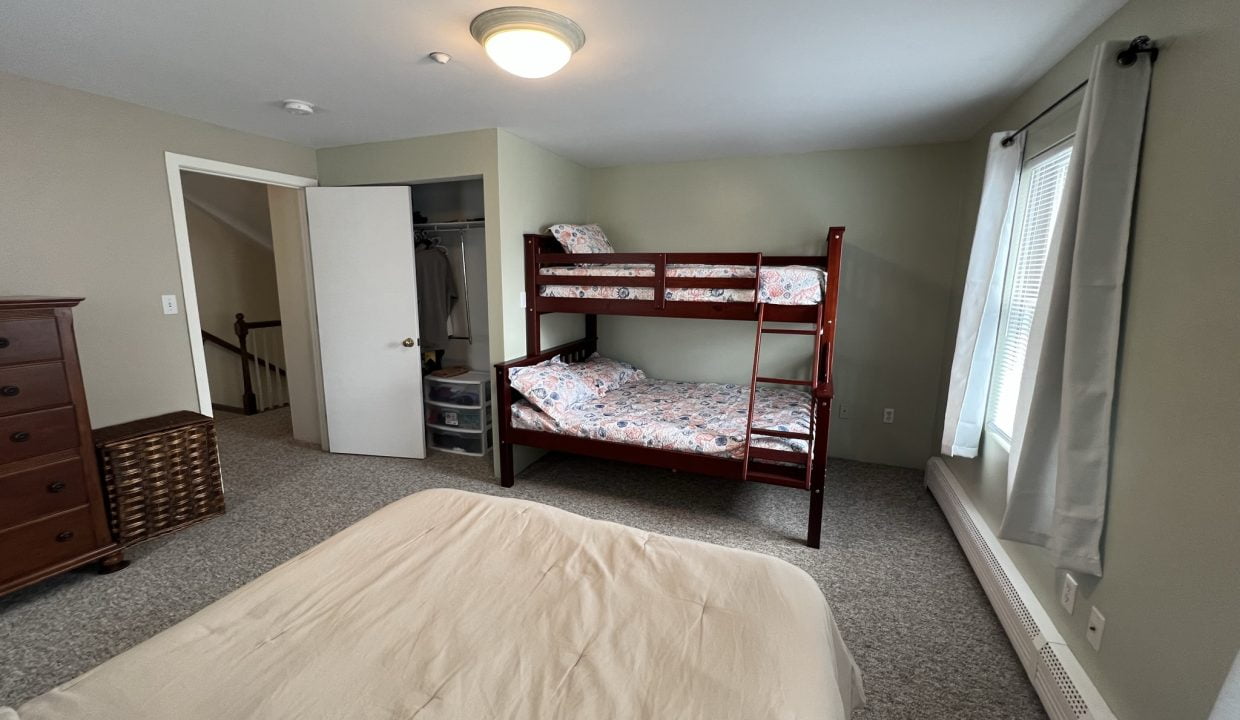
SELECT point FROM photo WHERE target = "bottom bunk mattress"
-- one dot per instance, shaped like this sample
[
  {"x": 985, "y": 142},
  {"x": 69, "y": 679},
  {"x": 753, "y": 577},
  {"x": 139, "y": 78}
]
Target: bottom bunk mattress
[
  {"x": 701, "y": 418},
  {"x": 450, "y": 604}
]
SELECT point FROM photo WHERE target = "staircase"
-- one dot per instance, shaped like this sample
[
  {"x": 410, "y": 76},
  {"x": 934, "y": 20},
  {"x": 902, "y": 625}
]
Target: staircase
[
  {"x": 264, "y": 384},
  {"x": 782, "y": 467}
]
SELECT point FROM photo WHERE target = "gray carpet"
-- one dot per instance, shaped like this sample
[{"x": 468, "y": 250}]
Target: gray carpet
[{"x": 903, "y": 594}]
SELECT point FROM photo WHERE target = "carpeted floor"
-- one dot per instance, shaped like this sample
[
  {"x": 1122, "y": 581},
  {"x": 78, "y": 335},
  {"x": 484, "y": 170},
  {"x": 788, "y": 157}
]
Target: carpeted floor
[{"x": 910, "y": 609}]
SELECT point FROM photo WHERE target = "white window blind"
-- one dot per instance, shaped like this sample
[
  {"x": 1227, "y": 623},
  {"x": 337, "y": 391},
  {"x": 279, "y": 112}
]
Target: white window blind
[{"x": 1037, "y": 207}]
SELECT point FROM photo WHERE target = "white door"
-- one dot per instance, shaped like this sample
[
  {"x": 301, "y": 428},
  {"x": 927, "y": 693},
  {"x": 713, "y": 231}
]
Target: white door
[{"x": 365, "y": 288}]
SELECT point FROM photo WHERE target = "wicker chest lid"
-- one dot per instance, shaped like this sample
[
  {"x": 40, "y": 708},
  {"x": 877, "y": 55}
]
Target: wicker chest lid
[{"x": 147, "y": 426}]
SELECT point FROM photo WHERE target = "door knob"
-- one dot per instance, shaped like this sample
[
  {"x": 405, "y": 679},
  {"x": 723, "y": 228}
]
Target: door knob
[{"x": 408, "y": 342}]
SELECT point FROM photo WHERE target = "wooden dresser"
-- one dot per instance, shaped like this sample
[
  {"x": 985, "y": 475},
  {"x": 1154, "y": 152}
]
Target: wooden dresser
[{"x": 52, "y": 512}]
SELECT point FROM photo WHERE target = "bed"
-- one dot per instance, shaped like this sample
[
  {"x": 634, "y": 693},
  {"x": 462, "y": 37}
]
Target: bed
[
  {"x": 574, "y": 270},
  {"x": 692, "y": 417},
  {"x": 777, "y": 285},
  {"x": 420, "y": 610}
]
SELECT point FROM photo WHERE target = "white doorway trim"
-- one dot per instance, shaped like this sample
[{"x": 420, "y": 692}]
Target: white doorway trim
[{"x": 175, "y": 163}]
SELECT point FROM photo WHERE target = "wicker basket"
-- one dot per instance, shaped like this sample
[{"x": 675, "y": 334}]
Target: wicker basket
[{"x": 160, "y": 474}]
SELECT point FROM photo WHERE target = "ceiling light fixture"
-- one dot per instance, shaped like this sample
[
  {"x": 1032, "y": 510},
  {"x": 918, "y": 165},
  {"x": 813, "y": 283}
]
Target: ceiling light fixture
[
  {"x": 527, "y": 42},
  {"x": 298, "y": 107}
]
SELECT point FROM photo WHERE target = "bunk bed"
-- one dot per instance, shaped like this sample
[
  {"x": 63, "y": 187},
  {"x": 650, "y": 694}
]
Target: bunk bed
[{"x": 785, "y": 290}]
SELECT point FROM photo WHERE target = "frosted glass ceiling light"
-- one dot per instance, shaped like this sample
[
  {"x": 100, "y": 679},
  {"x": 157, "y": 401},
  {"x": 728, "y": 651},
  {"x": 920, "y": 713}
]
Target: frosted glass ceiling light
[{"x": 527, "y": 42}]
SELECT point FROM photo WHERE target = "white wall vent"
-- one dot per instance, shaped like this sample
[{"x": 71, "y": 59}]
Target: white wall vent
[{"x": 1064, "y": 688}]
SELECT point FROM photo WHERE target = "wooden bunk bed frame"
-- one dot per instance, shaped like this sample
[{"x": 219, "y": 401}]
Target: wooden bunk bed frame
[{"x": 543, "y": 251}]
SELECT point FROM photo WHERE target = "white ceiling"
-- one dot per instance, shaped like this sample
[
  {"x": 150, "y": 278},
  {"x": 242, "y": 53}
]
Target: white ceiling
[{"x": 657, "y": 79}]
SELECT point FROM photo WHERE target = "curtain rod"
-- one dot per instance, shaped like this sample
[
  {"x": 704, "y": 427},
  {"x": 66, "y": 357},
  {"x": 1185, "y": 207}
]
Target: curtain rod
[{"x": 1139, "y": 45}]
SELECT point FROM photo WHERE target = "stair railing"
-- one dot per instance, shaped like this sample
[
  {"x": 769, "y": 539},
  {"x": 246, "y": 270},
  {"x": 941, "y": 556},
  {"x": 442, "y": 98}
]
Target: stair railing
[{"x": 265, "y": 386}]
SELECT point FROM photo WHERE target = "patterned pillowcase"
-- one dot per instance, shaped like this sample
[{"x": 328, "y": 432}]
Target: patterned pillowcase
[
  {"x": 552, "y": 386},
  {"x": 584, "y": 239},
  {"x": 604, "y": 374}
]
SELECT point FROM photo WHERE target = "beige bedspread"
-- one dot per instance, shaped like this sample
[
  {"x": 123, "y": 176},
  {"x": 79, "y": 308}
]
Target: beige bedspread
[{"x": 449, "y": 604}]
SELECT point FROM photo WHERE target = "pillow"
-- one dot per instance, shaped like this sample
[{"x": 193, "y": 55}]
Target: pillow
[
  {"x": 604, "y": 374},
  {"x": 584, "y": 239},
  {"x": 551, "y": 386}
]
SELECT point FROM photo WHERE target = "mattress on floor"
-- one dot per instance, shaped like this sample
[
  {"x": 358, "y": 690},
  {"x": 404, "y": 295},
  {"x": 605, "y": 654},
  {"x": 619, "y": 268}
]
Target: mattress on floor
[
  {"x": 449, "y": 604},
  {"x": 702, "y": 418},
  {"x": 780, "y": 285}
]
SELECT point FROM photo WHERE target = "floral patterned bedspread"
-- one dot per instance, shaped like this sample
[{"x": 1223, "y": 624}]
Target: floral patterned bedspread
[
  {"x": 780, "y": 285},
  {"x": 703, "y": 418}
]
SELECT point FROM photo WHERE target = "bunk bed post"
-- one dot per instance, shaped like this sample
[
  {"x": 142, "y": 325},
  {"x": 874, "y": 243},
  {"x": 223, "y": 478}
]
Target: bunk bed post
[
  {"x": 503, "y": 391},
  {"x": 826, "y": 389},
  {"x": 818, "y": 478},
  {"x": 533, "y": 321}
]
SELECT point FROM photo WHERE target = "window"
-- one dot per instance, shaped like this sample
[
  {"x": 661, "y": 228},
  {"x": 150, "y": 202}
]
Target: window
[{"x": 1041, "y": 186}]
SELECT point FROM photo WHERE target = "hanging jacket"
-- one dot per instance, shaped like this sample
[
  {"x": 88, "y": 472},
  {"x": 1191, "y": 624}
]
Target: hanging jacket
[{"x": 436, "y": 296}]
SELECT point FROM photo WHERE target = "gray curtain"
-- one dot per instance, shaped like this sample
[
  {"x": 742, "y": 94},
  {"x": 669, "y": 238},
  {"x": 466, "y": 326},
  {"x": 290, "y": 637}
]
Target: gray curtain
[
  {"x": 1060, "y": 459},
  {"x": 983, "y": 298}
]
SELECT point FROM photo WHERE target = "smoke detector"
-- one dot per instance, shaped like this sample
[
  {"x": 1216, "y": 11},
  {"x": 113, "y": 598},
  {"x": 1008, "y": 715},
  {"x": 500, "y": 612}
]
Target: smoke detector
[
  {"x": 298, "y": 107},
  {"x": 442, "y": 58}
]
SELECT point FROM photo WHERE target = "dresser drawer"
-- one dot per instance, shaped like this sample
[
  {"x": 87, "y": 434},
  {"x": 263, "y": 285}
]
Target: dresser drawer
[
  {"x": 28, "y": 387},
  {"x": 28, "y": 340},
  {"x": 46, "y": 542},
  {"x": 37, "y": 433},
  {"x": 42, "y": 491}
]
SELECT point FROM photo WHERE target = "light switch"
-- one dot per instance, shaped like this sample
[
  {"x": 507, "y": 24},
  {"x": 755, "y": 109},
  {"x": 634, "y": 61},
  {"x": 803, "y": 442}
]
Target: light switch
[{"x": 170, "y": 304}]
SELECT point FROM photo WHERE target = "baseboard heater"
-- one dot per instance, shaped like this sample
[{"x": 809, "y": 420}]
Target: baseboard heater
[{"x": 1066, "y": 691}]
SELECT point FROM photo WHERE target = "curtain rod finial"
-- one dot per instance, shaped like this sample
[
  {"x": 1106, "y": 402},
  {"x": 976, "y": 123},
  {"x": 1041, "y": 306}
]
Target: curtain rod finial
[{"x": 1140, "y": 44}]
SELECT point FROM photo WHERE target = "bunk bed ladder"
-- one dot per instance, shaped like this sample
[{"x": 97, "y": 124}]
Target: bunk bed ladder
[{"x": 771, "y": 455}]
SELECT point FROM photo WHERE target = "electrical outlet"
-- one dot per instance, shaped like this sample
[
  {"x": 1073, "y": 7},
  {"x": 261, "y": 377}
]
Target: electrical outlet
[
  {"x": 1067, "y": 597},
  {"x": 845, "y": 411},
  {"x": 170, "y": 304},
  {"x": 889, "y": 415},
  {"x": 1096, "y": 624}
]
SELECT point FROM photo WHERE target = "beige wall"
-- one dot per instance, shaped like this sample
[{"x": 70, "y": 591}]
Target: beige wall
[
  {"x": 902, "y": 210},
  {"x": 290, "y": 244},
  {"x": 537, "y": 188},
  {"x": 232, "y": 274},
  {"x": 1171, "y": 576},
  {"x": 86, "y": 211}
]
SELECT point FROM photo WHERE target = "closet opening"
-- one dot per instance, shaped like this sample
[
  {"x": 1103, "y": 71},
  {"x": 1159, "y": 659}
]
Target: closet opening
[{"x": 450, "y": 257}]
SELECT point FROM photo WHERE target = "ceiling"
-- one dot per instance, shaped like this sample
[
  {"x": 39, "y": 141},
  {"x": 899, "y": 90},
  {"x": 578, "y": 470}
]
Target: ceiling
[{"x": 657, "y": 80}]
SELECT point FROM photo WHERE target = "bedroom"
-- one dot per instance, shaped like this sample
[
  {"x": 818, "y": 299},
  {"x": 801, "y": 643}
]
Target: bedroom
[{"x": 872, "y": 117}]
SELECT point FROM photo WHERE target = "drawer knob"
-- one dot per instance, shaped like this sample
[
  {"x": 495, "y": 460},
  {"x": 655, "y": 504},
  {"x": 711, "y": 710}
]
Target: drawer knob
[
  {"x": 56, "y": 487},
  {"x": 20, "y": 436},
  {"x": 65, "y": 536},
  {"x": 4, "y": 342},
  {"x": 9, "y": 390}
]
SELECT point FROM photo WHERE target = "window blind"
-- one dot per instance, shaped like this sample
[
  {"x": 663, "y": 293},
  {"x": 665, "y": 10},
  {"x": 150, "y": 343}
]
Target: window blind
[{"x": 1037, "y": 210}]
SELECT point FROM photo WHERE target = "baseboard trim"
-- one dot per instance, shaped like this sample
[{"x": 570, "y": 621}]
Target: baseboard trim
[{"x": 1060, "y": 681}]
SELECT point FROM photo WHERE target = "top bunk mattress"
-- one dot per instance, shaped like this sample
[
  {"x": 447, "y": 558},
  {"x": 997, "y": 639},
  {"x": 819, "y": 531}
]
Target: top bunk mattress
[
  {"x": 779, "y": 284},
  {"x": 701, "y": 418},
  {"x": 449, "y": 604}
]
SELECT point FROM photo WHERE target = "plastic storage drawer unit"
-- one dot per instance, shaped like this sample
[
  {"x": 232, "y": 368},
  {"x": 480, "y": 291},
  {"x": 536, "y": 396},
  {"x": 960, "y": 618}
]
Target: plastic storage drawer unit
[
  {"x": 460, "y": 442},
  {"x": 451, "y": 416},
  {"x": 458, "y": 392}
]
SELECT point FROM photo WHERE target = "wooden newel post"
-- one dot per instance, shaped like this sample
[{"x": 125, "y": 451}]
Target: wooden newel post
[{"x": 249, "y": 402}]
